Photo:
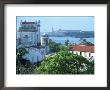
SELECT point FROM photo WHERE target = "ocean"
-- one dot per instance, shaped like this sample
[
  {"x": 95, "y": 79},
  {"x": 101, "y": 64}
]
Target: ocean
[{"x": 71, "y": 40}]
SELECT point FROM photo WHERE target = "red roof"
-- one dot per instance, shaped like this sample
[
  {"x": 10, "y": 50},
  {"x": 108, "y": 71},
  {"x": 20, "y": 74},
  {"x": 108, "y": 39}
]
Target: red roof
[
  {"x": 28, "y": 22},
  {"x": 82, "y": 48}
]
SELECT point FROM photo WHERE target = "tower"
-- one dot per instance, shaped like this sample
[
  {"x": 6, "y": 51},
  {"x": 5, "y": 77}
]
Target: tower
[
  {"x": 45, "y": 42},
  {"x": 38, "y": 35},
  {"x": 52, "y": 29},
  {"x": 29, "y": 33},
  {"x": 30, "y": 39}
]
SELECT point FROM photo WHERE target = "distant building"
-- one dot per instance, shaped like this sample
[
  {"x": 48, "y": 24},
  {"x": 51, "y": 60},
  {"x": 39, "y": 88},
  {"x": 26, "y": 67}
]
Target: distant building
[
  {"x": 29, "y": 38},
  {"x": 83, "y": 50},
  {"x": 72, "y": 33},
  {"x": 68, "y": 32},
  {"x": 61, "y": 32}
]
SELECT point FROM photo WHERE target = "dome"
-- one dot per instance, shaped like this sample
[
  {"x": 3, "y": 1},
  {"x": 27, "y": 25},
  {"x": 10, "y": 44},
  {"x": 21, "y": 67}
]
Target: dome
[{"x": 44, "y": 35}]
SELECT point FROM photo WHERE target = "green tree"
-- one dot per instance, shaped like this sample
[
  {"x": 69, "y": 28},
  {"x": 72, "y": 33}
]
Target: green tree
[
  {"x": 56, "y": 47},
  {"x": 23, "y": 66},
  {"x": 63, "y": 48},
  {"x": 85, "y": 42},
  {"x": 67, "y": 42},
  {"x": 65, "y": 62},
  {"x": 20, "y": 52}
]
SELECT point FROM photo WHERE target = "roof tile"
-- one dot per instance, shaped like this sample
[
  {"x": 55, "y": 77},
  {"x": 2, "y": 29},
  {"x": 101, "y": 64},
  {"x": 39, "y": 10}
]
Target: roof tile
[{"x": 83, "y": 48}]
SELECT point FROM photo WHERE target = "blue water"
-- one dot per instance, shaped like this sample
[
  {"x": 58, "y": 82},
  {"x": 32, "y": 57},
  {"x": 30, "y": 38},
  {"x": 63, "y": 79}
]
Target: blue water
[{"x": 71, "y": 39}]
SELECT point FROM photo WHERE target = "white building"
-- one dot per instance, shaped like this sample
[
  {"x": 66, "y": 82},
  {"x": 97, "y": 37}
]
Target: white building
[
  {"x": 83, "y": 50},
  {"x": 29, "y": 33},
  {"x": 29, "y": 38},
  {"x": 45, "y": 42},
  {"x": 34, "y": 54}
]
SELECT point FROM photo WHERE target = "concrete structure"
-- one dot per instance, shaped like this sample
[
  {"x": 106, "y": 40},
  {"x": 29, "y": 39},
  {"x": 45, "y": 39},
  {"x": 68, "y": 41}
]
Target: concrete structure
[
  {"x": 45, "y": 42},
  {"x": 35, "y": 54},
  {"x": 29, "y": 33},
  {"x": 30, "y": 39},
  {"x": 83, "y": 50}
]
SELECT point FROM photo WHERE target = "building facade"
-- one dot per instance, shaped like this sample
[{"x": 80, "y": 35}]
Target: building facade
[
  {"x": 29, "y": 33},
  {"x": 83, "y": 50},
  {"x": 45, "y": 42},
  {"x": 30, "y": 39}
]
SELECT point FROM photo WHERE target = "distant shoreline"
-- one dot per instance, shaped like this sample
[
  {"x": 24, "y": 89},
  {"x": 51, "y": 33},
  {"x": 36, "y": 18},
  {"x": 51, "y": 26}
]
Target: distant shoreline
[{"x": 71, "y": 39}]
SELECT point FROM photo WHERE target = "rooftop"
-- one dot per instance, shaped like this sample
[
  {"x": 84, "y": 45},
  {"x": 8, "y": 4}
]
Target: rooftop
[
  {"x": 44, "y": 35},
  {"x": 82, "y": 48}
]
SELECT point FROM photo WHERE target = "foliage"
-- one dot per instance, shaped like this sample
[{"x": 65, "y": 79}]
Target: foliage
[
  {"x": 85, "y": 42},
  {"x": 56, "y": 47},
  {"x": 23, "y": 66},
  {"x": 20, "y": 52},
  {"x": 67, "y": 42},
  {"x": 63, "y": 48},
  {"x": 65, "y": 62},
  {"x": 53, "y": 46}
]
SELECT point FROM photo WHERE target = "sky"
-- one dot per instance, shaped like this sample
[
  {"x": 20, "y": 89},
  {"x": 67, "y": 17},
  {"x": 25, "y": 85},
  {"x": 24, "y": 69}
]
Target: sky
[{"x": 84, "y": 23}]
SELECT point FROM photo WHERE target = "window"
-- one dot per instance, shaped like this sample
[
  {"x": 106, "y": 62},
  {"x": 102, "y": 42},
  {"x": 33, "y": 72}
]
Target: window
[
  {"x": 76, "y": 52},
  {"x": 19, "y": 41},
  {"x": 26, "y": 36},
  {"x": 85, "y": 54},
  {"x": 37, "y": 37},
  {"x": 80, "y": 53},
  {"x": 89, "y": 54}
]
